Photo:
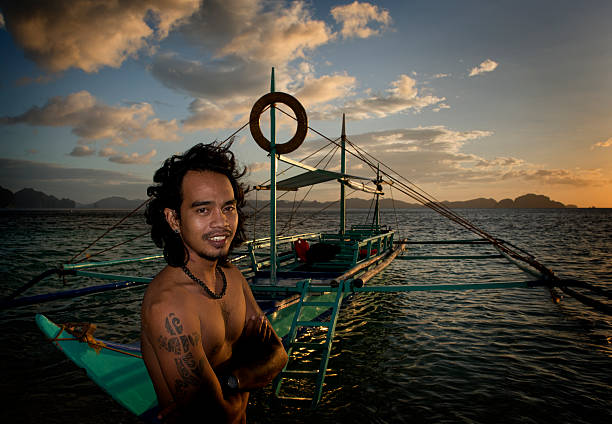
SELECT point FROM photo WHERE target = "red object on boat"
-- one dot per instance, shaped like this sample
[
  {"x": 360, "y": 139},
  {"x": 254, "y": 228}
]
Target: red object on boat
[
  {"x": 363, "y": 252},
  {"x": 301, "y": 247}
]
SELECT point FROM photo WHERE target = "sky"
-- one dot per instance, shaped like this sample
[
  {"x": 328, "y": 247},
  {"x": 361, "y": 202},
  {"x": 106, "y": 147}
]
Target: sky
[{"x": 466, "y": 99}]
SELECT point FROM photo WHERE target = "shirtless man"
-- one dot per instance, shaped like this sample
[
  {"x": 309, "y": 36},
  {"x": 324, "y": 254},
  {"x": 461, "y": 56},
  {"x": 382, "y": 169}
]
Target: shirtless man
[{"x": 205, "y": 341}]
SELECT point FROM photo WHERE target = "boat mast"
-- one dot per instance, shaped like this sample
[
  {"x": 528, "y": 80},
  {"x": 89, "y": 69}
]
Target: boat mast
[
  {"x": 343, "y": 172},
  {"x": 272, "y": 187},
  {"x": 376, "y": 207}
]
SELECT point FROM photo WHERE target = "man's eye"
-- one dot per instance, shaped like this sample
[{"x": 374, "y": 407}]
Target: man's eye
[
  {"x": 202, "y": 210},
  {"x": 230, "y": 208}
]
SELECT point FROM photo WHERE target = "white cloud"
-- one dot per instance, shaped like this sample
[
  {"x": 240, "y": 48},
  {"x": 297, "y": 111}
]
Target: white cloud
[
  {"x": 278, "y": 36},
  {"x": 606, "y": 143},
  {"x": 356, "y": 19},
  {"x": 325, "y": 88},
  {"x": 91, "y": 34},
  {"x": 434, "y": 155},
  {"x": 244, "y": 38},
  {"x": 401, "y": 97},
  {"x": 441, "y": 106},
  {"x": 93, "y": 120},
  {"x": 486, "y": 66}
]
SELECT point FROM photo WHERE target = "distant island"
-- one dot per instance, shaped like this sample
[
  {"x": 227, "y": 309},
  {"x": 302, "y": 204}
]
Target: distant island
[{"x": 31, "y": 199}]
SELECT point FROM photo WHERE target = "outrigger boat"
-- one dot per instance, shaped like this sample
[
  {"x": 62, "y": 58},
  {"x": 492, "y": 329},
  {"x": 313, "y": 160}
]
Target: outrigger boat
[{"x": 299, "y": 281}]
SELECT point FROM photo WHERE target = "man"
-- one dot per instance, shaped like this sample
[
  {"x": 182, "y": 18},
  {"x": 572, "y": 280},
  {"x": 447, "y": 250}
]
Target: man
[{"x": 205, "y": 341}]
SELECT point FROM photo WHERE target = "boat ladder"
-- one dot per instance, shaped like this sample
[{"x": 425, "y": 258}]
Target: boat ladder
[{"x": 295, "y": 348}]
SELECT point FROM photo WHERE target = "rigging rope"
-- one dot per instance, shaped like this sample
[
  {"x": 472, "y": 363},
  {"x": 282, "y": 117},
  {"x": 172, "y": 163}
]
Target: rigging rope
[
  {"x": 109, "y": 230},
  {"x": 287, "y": 226},
  {"x": 431, "y": 202}
]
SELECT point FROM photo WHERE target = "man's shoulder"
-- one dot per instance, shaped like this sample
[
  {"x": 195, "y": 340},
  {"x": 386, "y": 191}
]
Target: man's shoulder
[{"x": 166, "y": 289}]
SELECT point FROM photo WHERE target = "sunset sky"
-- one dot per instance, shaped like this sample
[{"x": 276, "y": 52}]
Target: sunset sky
[{"x": 465, "y": 98}]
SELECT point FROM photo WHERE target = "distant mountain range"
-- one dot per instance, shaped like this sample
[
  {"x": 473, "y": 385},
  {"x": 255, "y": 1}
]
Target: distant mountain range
[{"x": 31, "y": 199}]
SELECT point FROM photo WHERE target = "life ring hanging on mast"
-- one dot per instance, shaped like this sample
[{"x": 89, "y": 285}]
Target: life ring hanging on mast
[{"x": 300, "y": 116}]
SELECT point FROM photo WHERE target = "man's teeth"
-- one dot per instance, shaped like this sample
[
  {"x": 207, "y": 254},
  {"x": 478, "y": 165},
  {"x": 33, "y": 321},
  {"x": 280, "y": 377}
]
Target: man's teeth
[{"x": 218, "y": 238}]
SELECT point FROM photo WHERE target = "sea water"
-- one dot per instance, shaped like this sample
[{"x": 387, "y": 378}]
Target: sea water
[{"x": 503, "y": 356}]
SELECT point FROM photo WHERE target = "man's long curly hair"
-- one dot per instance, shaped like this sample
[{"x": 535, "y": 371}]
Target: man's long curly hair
[{"x": 167, "y": 193}]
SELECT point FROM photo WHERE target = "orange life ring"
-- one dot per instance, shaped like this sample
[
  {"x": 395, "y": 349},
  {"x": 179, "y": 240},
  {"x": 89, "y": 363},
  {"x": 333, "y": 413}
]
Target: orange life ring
[{"x": 300, "y": 115}]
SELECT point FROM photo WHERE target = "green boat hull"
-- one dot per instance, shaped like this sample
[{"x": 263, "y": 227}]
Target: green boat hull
[{"x": 124, "y": 376}]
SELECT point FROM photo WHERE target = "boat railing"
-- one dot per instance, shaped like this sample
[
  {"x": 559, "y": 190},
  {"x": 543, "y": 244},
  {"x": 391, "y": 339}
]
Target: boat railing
[{"x": 259, "y": 251}]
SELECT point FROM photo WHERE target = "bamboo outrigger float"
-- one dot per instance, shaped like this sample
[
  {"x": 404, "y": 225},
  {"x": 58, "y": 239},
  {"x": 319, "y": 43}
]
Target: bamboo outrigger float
[{"x": 301, "y": 291}]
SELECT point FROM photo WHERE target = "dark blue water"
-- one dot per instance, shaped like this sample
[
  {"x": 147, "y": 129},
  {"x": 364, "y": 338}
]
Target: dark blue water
[{"x": 509, "y": 356}]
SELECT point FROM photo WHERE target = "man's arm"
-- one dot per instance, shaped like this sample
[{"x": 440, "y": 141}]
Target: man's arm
[
  {"x": 259, "y": 354},
  {"x": 177, "y": 344}
]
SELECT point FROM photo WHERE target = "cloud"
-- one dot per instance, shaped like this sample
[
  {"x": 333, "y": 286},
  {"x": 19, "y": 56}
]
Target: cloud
[
  {"x": 434, "y": 155},
  {"x": 278, "y": 36},
  {"x": 576, "y": 178},
  {"x": 356, "y": 17},
  {"x": 401, "y": 97},
  {"x": 486, "y": 66},
  {"x": 126, "y": 158},
  {"x": 325, "y": 88},
  {"x": 441, "y": 106},
  {"x": 91, "y": 34},
  {"x": 93, "y": 120},
  {"x": 209, "y": 115},
  {"x": 258, "y": 166},
  {"x": 607, "y": 143},
  {"x": 80, "y": 184},
  {"x": 422, "y": 139},
  {"x": 80, "y": 151},
  {"x": 133, "y": 158},
  {"x": 219, "y": 80}
]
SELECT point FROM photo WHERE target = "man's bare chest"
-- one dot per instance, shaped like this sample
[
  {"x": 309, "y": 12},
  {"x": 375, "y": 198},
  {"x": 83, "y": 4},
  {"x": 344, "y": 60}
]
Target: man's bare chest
[{"x": 221, "y": 323}]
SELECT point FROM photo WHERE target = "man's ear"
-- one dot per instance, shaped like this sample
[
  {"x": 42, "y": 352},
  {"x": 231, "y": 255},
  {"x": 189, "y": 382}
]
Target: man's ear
[{"x": 172, "y": 219}]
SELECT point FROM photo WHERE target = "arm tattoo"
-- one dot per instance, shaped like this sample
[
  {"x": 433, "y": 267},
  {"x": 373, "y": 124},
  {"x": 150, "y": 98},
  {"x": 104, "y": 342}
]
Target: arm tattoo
[
  {"x": 180, "y": 344},
  {"x": 173, "y": 323}
]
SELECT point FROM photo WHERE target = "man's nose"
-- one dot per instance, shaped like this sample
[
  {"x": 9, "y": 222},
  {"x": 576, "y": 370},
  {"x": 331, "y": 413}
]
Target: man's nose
[{"x": 218, "y": 218}]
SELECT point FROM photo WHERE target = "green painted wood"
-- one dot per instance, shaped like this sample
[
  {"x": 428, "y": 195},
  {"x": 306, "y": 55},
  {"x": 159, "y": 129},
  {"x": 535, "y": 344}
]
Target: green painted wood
[
  {"x": 272, "y": 186},
  {"x": 299, "y": 320},
  {"x": 123, "y": 377}
]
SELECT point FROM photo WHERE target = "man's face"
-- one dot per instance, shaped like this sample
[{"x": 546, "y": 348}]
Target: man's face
[{"x": 209, "y": 217}]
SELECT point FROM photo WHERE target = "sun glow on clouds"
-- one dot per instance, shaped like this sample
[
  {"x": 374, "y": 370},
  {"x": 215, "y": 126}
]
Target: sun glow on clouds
[
  {"x": 275, "y": 36},
  {"x": 356, "y": 17},
  {"x": 246, "y": 47},
  {"x": 434, "y": 155},
  {"x": 486, "y": 66},
  {"x": 607, "y": 143},
  {"x": 91, "y": 34},
  {"x": 401, "y": 97}
]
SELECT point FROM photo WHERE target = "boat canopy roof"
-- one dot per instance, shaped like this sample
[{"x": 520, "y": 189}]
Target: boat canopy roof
[{"x": 309, "y": 178}]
